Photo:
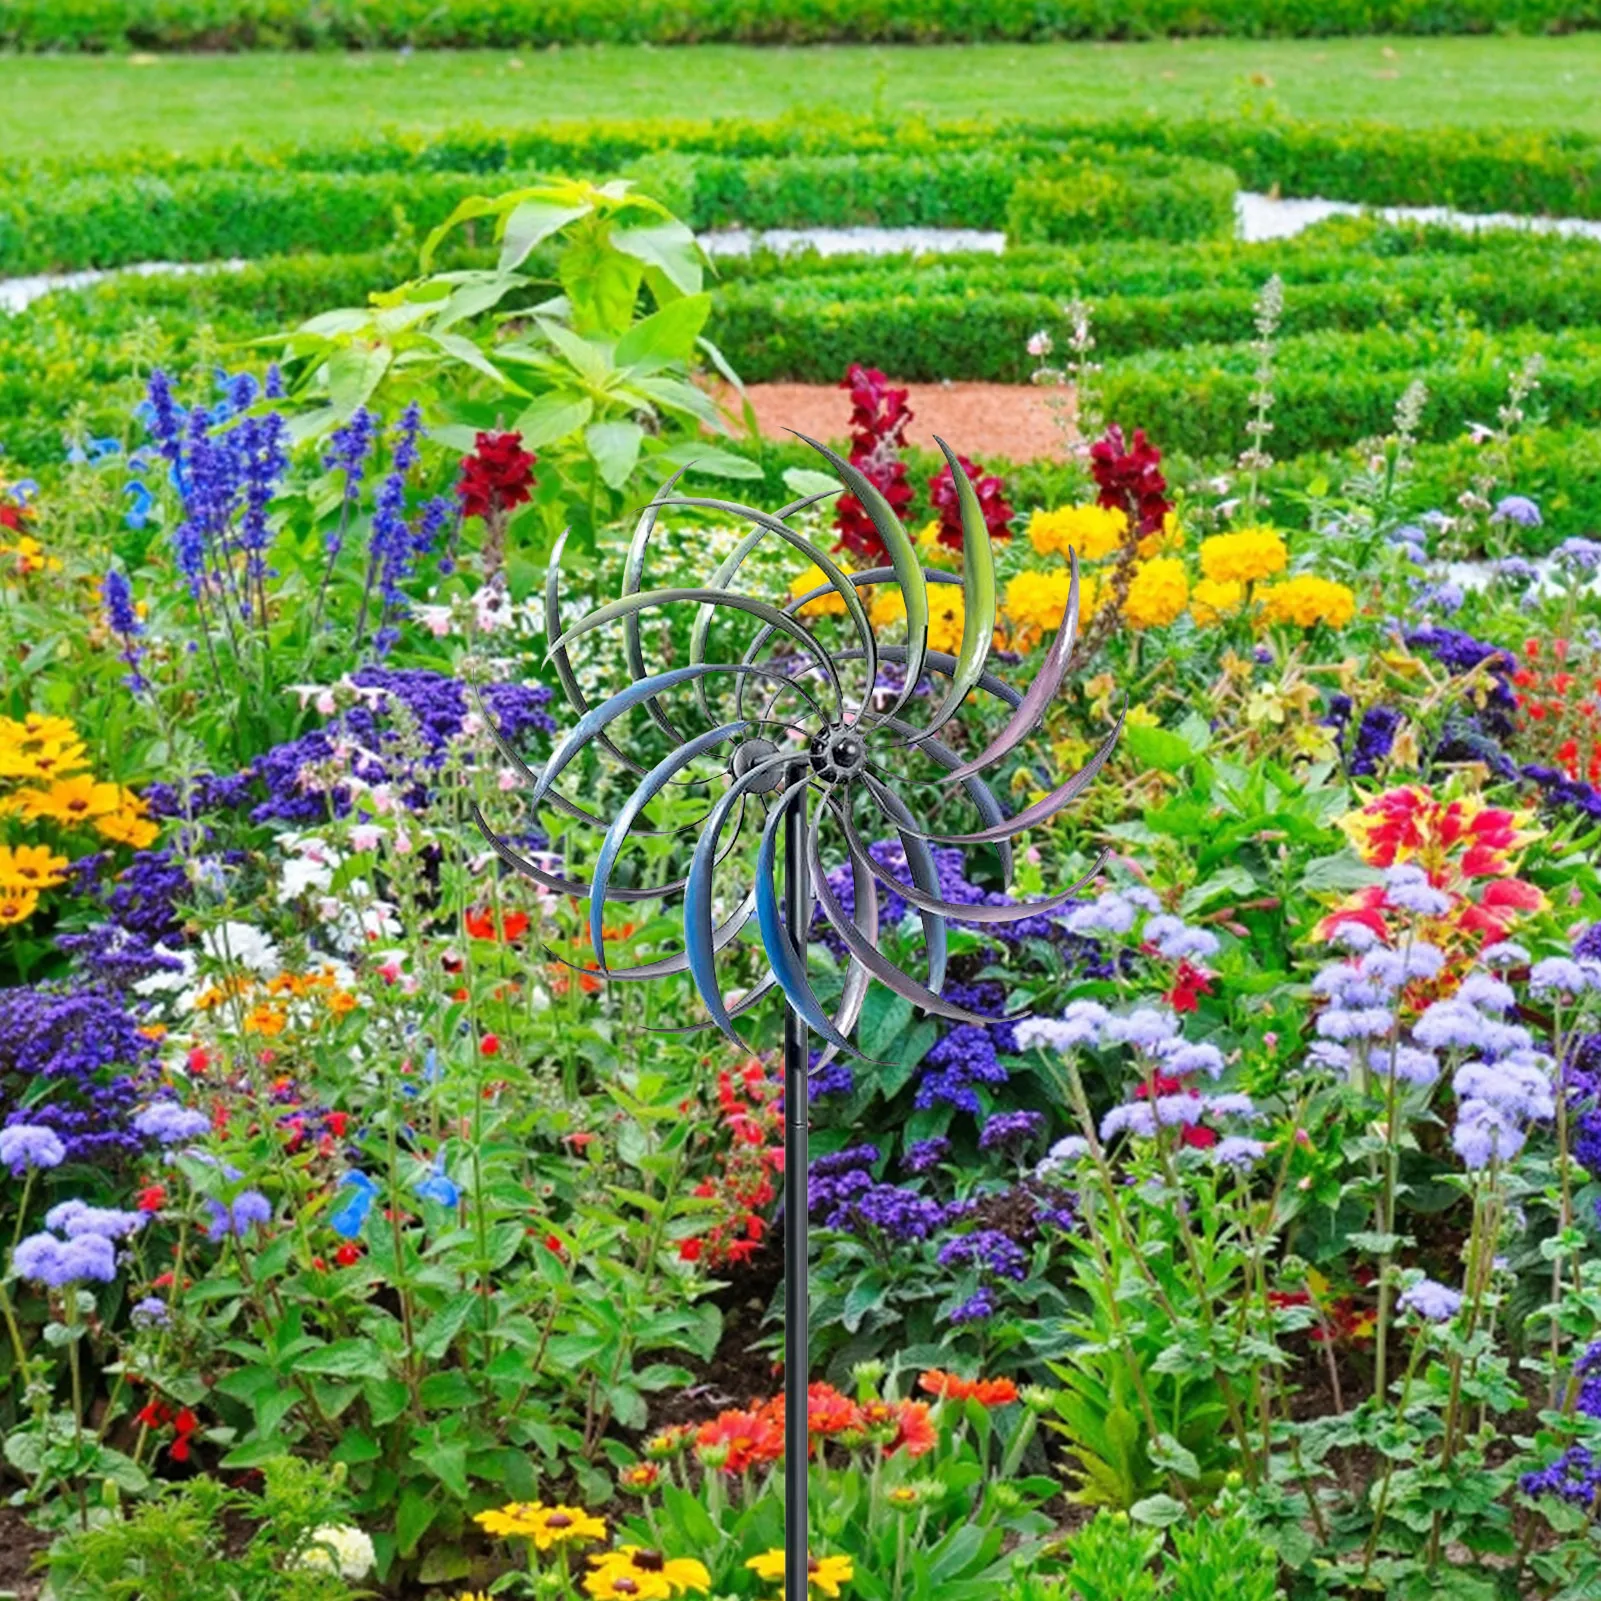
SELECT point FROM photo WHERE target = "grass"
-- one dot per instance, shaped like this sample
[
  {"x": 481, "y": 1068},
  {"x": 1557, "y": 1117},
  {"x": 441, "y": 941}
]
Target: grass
[{"x": 87, "y": 105}]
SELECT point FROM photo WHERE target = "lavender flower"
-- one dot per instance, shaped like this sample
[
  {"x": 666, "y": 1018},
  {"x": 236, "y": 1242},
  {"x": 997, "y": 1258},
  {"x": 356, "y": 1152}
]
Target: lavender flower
[
  {"x": 975, "y": 1309},
  {"x": 1434, "y": 1303},
  {"x": 1582, "y": 555},
  {"x": 1555, "y": 975},
  {"x": 925, "y": 1155},
  {"x": 1483, "y": 1134},
  {"x": 76, "y": 1219},
  {"x": 1517, "y": 509},
  {"x": 25, "y": 1145},
  {"x": 1145, "y": 1028},
  {"x": 1409, "y": 888},
  {"x": 1238, "y": 1151},
  {"x": 248, "y": 1208},
  {"x": 1504, "y": 953},
  {"x": 58, "y": 1263},
  {"x": 168, "y": 1123},
  {"x": 989, "y": 1251},
  {"x": 1487, "y": 993},
  {"x": 150, "y": 1313},
  {"x": 1011, "y": 1131}
]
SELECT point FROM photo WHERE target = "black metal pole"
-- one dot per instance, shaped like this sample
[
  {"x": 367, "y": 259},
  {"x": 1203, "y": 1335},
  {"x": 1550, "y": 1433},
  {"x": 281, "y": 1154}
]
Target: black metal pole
[{"x": 797, "y": 911}]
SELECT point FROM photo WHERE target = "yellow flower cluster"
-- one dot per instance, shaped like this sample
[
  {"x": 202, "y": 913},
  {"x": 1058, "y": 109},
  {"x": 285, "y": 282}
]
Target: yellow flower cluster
[
  {"x": 1157, "y": 594},
  {"x": 1035, "y": 600},
  {"x": 43, "y": 759},
  {"x": 1307, "y": 600},
  {"x": 1213, "y": 601},
  {"x": 630, "y": 1573},
  {"x": 29, "y": 557},
  {"x": 946, "y": 614},
  {"x": 1245, "y": 556},
  {"x": 546, "y": 1526},
  {"x": 830, "y": 605},
  {"x": 1095, "y": 532},
  {"x": 826, "y": 1574},
  {"x": 285, "y": 1001}
]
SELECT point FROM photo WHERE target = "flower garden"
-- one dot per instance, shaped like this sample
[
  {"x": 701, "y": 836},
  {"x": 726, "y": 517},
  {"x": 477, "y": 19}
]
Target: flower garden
[{"x": 361, "y": 1240}]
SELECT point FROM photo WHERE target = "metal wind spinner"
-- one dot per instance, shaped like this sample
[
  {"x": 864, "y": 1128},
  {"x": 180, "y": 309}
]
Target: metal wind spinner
[{"x": 798, "y": 755}]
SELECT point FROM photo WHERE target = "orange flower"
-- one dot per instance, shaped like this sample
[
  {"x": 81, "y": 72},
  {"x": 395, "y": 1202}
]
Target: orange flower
[
  {"x": 70, "y": 800},
  {"x": 481, "y": 925},
  {"x": 916, "y": 1434},
  {"x": 828, "y": 1412},
  {"x": 749, "y": 1437},
  {"x": 988, "y": 1392}
]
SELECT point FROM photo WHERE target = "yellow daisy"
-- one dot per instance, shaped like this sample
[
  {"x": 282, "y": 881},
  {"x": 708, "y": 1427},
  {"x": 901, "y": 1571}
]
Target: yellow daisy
[
  {"x": 637, "y": 1573},
  {"x": 17, "y": 906},
  {"x": 128, "y": 825},
  {"x": 830, "y": 605},
  {"x": 822, "y": 1573},
  {"x": 39, "y": 747},
  {"x": 545, "y": 1525},
  {"x": 70, "y": 800},
  {"x": 30, "y": 867}
]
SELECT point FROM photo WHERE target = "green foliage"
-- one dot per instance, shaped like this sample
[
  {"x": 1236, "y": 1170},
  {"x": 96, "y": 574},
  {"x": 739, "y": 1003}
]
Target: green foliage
[
  {"x": 1153, "y": 197},
  {"x": 179, "y": 1545},
  {"x": 357, "y": 24}
]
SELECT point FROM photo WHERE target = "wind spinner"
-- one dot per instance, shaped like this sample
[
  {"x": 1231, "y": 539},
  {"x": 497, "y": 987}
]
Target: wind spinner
[{"x": 793, "y": 752}]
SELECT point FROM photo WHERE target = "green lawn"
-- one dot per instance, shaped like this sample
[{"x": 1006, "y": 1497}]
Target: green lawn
[{"x": 60, "y": 105}]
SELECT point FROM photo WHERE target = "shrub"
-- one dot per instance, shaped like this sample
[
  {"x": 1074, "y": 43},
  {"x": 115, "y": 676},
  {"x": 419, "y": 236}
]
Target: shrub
[{"x": 1151, "y": 197}]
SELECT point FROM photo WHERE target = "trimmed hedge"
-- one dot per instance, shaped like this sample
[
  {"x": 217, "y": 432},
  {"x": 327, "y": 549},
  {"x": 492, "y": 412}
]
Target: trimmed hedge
[
  {"x": 1144, "y": 197},
  {"x": 1478, "y": 169},
  {"x": 364, "y": 24}
]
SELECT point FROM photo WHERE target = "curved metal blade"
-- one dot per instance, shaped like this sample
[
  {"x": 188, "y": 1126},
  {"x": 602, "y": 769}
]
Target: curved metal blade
[
  {"x": 879, "y": 965},
  {"x": 865, "y": 915},
  {"x": 924, "y": 870},
  {"x": 722, "y": 936},
  {"x": 1041, "y": 809},
  {"x": 906, "y": 569},
  {"x": 616, "y": 835},
  {"x": 556, "y": 882},
  {"x": 633, "y": 570},
  {"x": 1032, "y": 708},
  {"x": 788, "y": 966},
  {"x": 616, "y": 609},
  {"x": 563, "y": 662},
  {"x": 978, "y": 591}
]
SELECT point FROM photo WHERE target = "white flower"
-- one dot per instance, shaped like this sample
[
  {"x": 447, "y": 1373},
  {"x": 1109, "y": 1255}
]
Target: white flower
[
  {"x": 244, "y": 944},
  {"x": 1039, "y": 344},
  {"x": 339, "y": 1548},
  {"x": 436, "y": 619}
]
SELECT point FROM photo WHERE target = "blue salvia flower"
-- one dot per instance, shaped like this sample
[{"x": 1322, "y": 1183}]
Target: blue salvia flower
[
  {"x": 123, "y": 620},
  {"x": 273, "y": 387},
  {"x": 391, "y": 554},
  {"x": 163, "y": 416},
  {"x": 263, "y": 443}
]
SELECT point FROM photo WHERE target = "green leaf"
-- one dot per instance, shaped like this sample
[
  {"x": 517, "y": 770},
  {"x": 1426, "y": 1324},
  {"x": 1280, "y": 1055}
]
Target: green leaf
[
  {"x": 696, "y": 457},
  {"x": 666, "y": 336},
  {"x": 1344, "y": 870},
  {"x": 345, "y": 1359},
  {"x": 1157, "y": 1511},
  {"x": 447, "y": 1461},
  {"x": 529, "y": 223},
  {"x": 417, "y": 1510},
  {"x": 1166, "y": 1452},
  {"x": 355, "y": 1445},
  {"x": 552, "y": 417},
  {"x": 669, "y": 246},
  {"x": 602, "y": 283},
  {"x": 1157, "y": 747},
  {"x": 444, "y": 1392},
  {"x": 802, "y": 481},
  {"x": 466, "y": 210},
  {"x": 353, "y": 374},
  {"x": 466, "y": 352},
  {"x": 615, "y": 447}
]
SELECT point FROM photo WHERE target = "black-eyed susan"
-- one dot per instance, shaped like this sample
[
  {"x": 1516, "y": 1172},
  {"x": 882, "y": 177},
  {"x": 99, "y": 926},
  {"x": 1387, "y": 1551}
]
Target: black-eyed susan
[
  {"x": 127, "y": 825},
  {"x": 640, "y": 1573},
  {"x": 823, "y": 1574},
  {"x": 30, "y": 867},
  {"x": 17, "y": 906},
  {"x": 80, "y": 799},
  {"x": 39, "y": 747},
  {"x": 546, "y": 1526}
]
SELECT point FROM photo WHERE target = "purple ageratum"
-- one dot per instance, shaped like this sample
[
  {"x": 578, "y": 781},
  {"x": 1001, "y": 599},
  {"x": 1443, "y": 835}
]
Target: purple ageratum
[
  {"x": 1484, "y": 1134},
  {"x": 1238, "y": 1151},
  {"x": 168, "y": 1123},
  {"x": 76, "y": 1219},
  {"x": 1581, "y": 555},
  {"x": 1560, "y": 975},
  {"x": 1517, "y": 509},
  {"x": 1409, "y": 888},
  {"x": 150, "y": 1313},
  {"x": 1081, "y": 1024},
  {"x": 91, "y": 1258},
  {"x": 1434, "y": 1303},
  {"x": 237, "y": 1218},
  {"x": 30, "y": 1145},
  {"x": 1487, "y": 993}
]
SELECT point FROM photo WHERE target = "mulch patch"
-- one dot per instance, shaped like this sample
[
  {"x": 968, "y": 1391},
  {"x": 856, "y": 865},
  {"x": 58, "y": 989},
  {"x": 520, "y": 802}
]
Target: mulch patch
[{"x": 20, "y": 1544}]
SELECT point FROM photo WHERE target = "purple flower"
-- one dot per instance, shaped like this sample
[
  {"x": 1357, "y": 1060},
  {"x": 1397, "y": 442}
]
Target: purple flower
[
  {"x": 1133, "y": 1117},
  {"x": 122, "y": 618},
  {"x": 924, "y": 1155},
  {"x": 1488, "y": 994},
  {"x": 1449, "y": 1025},
  {"x": 1145, "y": 1028},
  {"x": 25, "y": 1145},
  {"x": 1080, "y": 1024},
  {"x": 77, "y": 1218},
  {"x": 1011, "y": 1131},
  {"x": 1517, "y": 509},
  {"x": 990, "y": 1251},
  {"x": 1413, "y": 1066},
  {"x": 248, "y": 1208},
  {"x": 1483, "y": 1134},
  {"x": 1434, "y": 1303},
  {"x": 1505, "y": 953},
  {"x": 168, "y": 1123},
  {"x": 1185, "y": 1059},
  {"x": 1583, "y": 555},
  {"x": 1409, "y": 888},
  {"x": 1238, "y": 1151},
  {"x": 150, "y": 1313},
  {"x": 975, "y": 1309},
  {"x": 1555, "y": 975},
  {"x": 58, "y": 1263}
]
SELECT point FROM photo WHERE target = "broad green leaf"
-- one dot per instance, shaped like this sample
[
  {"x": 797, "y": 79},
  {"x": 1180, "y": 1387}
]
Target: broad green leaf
[
  {"x": 417, "y": 1510},
  {"x": 447, "y": 1461},
  {"x": 665, "y": 337},
  {"x": 548, "y": 418},
  {"x": 1157, "y": 747},
  {"x": 1157, "y": 1511},
  {"x": 354, "y": 373},
  {"x": 466, "y": 210},
  {"x": 669, "y": 246},
  {"x": 528, "y": 224},
  {"x": 602, "y": 284},
  {"x": 615, "y": 447},
  {"x": 697, "y": 458},
  {"x": 345, "y": 1359},
  {"x": 466, "y": 352}
]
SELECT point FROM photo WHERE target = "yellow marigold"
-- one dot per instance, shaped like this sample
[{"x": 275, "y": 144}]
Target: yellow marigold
[
  {"x": 1093, "y": 531},
  {"x": 945, "y": 614},
  {"x": 1307, "y": 601},
  {"x": 70, "y": 800},
  {"x": 1244, "y": 557},
  {"x": 1157, "y": 594},
  {"x": 831, "y": 604},
  {"x": 637, "y": 1573},
  {"x": 1212, "y": 600},
  {"x": 1170, "y": 536},
  {"x": 822, "y": 1573},
  {"x": 17, "y": 906},
  {"x": 30, "y": 867},
  {"x": 1035, "y": 600}
]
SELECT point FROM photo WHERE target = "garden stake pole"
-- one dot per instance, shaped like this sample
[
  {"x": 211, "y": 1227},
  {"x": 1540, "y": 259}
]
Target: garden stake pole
[
  {"x": 797, "y": 1099},
  {"x": 826, "y": 759}
]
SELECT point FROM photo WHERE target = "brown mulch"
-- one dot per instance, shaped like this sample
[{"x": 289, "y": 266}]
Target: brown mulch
[
  {"x": 1011, "y": 421},
  {"x": 20, "y": 1543}
]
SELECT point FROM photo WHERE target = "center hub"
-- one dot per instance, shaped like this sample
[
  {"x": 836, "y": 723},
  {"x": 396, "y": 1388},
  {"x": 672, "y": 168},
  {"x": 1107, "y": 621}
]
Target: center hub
[
  {"x": 752, "y": 754},
  {"x": 837, "y": 753}
]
